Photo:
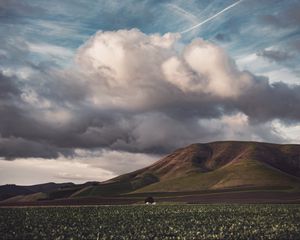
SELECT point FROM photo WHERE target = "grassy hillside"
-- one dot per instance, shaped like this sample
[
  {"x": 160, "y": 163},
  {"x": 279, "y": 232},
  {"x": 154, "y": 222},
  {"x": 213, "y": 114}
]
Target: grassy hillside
[
  {"x": 122, "y": 185},
  {"x": 244, "y": 174},
  {"x": 27, "y": 198},
  {"x": 48, "y": 190}
]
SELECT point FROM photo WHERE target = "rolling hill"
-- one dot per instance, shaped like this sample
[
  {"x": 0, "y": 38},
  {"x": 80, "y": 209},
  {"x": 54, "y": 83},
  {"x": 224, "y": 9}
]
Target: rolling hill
[
  {"x": 212, "y": 166},
  {"x": 12, "y": 190},
  {"x": 215, "y": 167}
]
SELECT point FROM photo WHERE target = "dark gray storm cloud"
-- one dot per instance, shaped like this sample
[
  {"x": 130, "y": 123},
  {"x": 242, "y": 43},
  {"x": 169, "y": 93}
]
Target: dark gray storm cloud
[
  {"x": 266, "y": 101},
  {"x": 21, "y": 135},
  {"x": 12, "y": 148},
  {"x": 8, "y": 88},
  {"x": 275, "y": 55},
  {"x": 223, "y": 37}
]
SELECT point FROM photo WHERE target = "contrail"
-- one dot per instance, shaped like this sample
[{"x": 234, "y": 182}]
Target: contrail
[
  {"x": 184, "y": 13},
  {"x": 212, "y": 17}
]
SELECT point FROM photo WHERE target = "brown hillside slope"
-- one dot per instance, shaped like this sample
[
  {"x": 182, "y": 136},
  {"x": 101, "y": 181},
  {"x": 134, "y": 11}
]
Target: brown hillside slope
[
  {"x": 211, "y": 156},
  {"x": 216, "y": 165}
]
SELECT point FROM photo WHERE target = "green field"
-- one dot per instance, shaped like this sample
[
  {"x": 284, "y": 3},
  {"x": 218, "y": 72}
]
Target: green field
[{"x": 152, "y": 222}]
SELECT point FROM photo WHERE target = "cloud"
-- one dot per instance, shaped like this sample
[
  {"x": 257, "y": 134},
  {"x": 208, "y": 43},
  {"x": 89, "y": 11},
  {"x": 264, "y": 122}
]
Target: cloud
[
  {"x": 275, "y": 55},
  {"x": 237, "y": 125},
  {"x": 151, "y": 65},
  {"x": 294, "y": 45},
  {"x": 223, "y": 37},
  {"x": 12, "y": 148},
  {"x": 8, "y": 87},
  {"x": 50, "y": 50},
  {"x": 10, "y": 10},
  {"x": 133, "y": 92},
  {"x": 117, "y": 162},
  {"x": 28, "y": 171},
  {"x": 182, "y": 12},
  {"x": 287, "y": 17},
  {"x": 85, "y": 165}
]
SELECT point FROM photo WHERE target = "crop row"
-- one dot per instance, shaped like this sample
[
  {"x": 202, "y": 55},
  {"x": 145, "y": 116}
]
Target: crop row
[{"x": 152, "y": 222}]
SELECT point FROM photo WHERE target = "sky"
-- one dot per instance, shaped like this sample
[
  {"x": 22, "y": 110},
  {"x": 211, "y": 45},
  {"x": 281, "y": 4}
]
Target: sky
[{"x": 93, "y": 89}]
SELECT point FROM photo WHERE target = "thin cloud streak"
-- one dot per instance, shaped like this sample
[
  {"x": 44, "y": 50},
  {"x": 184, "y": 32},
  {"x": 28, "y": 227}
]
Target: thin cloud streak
[
  {"x": 183, "y": 12},
  {"x": 210, "y": 18}
]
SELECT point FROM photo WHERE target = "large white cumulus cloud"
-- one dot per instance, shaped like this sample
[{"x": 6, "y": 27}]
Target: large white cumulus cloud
[{"x": 131, "y": 69}]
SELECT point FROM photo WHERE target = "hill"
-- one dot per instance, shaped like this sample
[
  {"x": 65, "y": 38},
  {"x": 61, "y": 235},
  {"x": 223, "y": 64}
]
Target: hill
[
  {"x": 242, "y": 168},
  {"x": 210, "y": 166},
  {"x": 12, "y": 190}
]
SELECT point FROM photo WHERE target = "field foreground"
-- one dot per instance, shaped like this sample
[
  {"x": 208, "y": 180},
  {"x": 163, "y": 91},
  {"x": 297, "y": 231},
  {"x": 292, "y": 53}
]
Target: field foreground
[{"x": 152, "y": 222}]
